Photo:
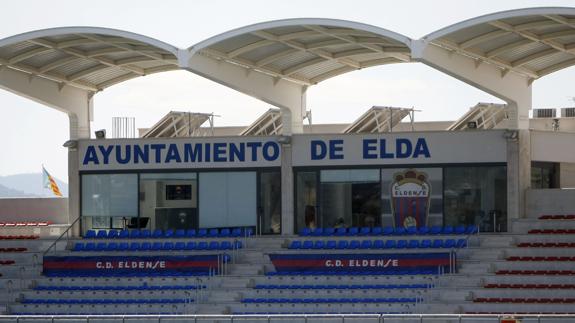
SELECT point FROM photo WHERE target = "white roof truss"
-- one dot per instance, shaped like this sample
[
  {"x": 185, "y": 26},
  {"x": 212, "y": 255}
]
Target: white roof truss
[
  {"x": 485, "y": 115},
  {"x": 378, "y": 119},
  {"x": 268, "y": 124},
  {"x": 179, "y": 124}
]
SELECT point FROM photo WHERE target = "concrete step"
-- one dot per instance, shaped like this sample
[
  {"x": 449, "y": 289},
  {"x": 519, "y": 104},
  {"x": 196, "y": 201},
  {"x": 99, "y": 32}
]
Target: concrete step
[{"x": 245, "y": 269}]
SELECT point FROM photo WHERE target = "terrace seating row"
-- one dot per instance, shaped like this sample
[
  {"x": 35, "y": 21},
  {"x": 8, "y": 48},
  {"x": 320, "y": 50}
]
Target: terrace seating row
[
  {"x": 376, "y": 231},
  {"x": 13, "y": 249},
  {"x": 355, "y": 272},
  {"x": 155, "y": 246},
  {"x": 164, "y": 273},
  {"x": 551, "y": 231},
  {"x": 333, "y": 286},
  {"x": 546, "y": 245},
  {"x": 531, "y": 286},
  {"x": 108, "y": 301},
  {"x": 331, "y": 300},
  {"x": 19, "y": 237},
  {"x": 525, "y": 300},
  {"x": 378, "y": 244},
  {"x": 535, "y": 272},
  {"x": 517, "y": 258},
  {"x": 558, "y": 217},
  {"x": 159, "y": 233},
  {"x": 25, "y": 224},
  {"x": 7, "y": 262},
  {"x": 117, "y": 288}
]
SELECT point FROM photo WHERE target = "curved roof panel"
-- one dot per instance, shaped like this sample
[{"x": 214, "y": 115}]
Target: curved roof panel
[
  {"x": 86, "y": 57},
  {"x": 532, "y": 42},
  {"x": 307, "y": 51}
]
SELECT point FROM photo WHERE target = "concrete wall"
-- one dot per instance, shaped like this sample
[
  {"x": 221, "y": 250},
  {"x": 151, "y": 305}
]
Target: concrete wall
[
  {"x": 34, "y": 209},
  {"x": 567, "y": 175},
  {"x": 550, "y": 201},
  {"x": 550, "y": 146}
]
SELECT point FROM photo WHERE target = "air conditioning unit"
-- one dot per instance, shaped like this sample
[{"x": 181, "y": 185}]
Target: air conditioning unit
[
  {"x": 567, "y": 112},
  {"x": 544, "y": 113}
]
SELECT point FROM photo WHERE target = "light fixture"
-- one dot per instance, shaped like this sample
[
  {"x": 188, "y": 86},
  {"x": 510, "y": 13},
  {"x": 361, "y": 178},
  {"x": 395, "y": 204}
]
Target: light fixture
[
  {"x": 71, "y": 144},
  {"x": 284, "y": 140},
  {"x": 100, "y": 134},
  {"x": 472, "y": 125},
  {"x": 511, "y": 135}
]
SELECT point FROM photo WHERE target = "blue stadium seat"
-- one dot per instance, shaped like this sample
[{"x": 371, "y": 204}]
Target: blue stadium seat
[
  {"x": 202, "y": 245},
  {"x": 307, "y": 244},
  {"x": 353, "y": 231},
  {"x": 460, "y": 229},
  {"x": 123, "y": 246},
  {"x": 191, "y": 245},
  {"x": 169, "y": 233},
  {"x": 398, "y": 231},
  {"x": 461, "y": 243},
  {"x": 354, "y": 244},
  {"x": 180, "y": 233},
  {"x": 447, "y": 230},
  {"x": 101, "y": 246},
  {"x": 378, "y": 244},
  {"x": 202, "y": 233},
  {"x": 366, "y": 244},
  {"x": 390, "y": 244},
  {"x": 236, "y": 232},
  {"x": 472, "y": 229},
  {"x": 387, "y": 231},
  {"x": 328, "y": 232},
  {"x": 340, "y": 232},
  {"x": 248, "y": 232},
  {"x": 295, "y": 244},
  {"x": 134, "y": 246},
  {"x": 158, "y": 233},
  {"x": 134, "y": 234},
  {"x": 157, "y": 246},
  {"x": 224, "y": 233},
  {"x": 425, "y": 243},
  {"x": 401, "y": 244},
  {"x": 423, "y": 230},
  {"x": 212, "y": 233},
  {"x": 145, "y": 233},
  {"x": 376, "y": 231},
  {"x": 102, "y": 234},
  {"x": 365, "y": 231},
  {"x": 449, "y": 243},
  {"x": 318, "y": 245},
  {"x": 90, "y": 234},
  {"x": 411, "y": 230},
  {"x": 436, "y": 229},
  {"x": 226, "y": 245},
  {"x": 168, "y": 246},
  {"x": 191, "y": 233},
  {"x": 214, "y": 245},
  {"x": 342, "y": 244},
  {"x": 112, "y": 234},
  {"x": 413, "y": 244},
  {"x": 238, "y": 245},
  {"x": 331, "y": 244},
  {"x": 317, "y": 232},
  {"x": 78, "y": 246},
  {"x": 146, "y": 246},
  {"x": 437, "y": 243},
  {"x": 112, "y": 246}
]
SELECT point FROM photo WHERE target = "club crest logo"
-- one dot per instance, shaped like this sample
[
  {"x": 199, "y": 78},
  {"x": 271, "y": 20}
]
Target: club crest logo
[{"x": 410, "y": 198}]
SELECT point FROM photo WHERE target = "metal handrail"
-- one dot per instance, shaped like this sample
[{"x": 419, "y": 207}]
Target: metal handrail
[{"x": 53, "y": 245}]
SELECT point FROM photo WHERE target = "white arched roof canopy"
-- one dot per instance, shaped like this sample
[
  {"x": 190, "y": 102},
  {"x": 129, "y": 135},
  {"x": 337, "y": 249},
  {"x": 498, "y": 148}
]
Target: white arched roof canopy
[
  {"x": 88, "y": 58},
  {"x": 531, "y": 42},
  {"x": 308, "y": 50}
]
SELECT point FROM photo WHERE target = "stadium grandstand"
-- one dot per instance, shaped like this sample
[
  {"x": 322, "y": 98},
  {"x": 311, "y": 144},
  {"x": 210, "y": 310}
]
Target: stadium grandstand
[{"x": 383, "y": 219}]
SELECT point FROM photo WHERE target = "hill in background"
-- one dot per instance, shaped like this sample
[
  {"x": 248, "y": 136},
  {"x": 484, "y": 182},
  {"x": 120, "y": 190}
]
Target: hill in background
[{"x": 28, "y": 185}]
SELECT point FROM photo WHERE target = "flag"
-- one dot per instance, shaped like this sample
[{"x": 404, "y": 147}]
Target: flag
[{"x": 50, "y": 183}]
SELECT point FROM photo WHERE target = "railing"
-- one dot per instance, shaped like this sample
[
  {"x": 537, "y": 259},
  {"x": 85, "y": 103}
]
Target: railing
[
  {"x": 308, "y": 318},
  {"x": 53, "y": 245}
]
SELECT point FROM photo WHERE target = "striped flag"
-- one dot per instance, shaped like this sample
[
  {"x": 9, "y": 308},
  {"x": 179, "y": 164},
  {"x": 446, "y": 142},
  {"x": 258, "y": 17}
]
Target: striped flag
[{"x": 50, "y": 183}]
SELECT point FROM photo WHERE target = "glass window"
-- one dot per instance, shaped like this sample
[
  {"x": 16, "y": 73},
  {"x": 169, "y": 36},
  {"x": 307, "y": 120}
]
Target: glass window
[
  {"x": 270, "y": 203},
  {"x": 306, "y": 200},
  {"x": 350, "y": 198},
  {"x": 476, "y": 195},
  {"x": 108, "y": 198},
  {"x": 544, "y": 175},
  {"x": 227, "y": 199},
  {"x": 167, "y": 201}
]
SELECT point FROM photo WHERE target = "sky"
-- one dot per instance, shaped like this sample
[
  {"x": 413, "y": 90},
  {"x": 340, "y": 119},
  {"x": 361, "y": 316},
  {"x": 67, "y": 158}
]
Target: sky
[{"x": 32, "y": 134}]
